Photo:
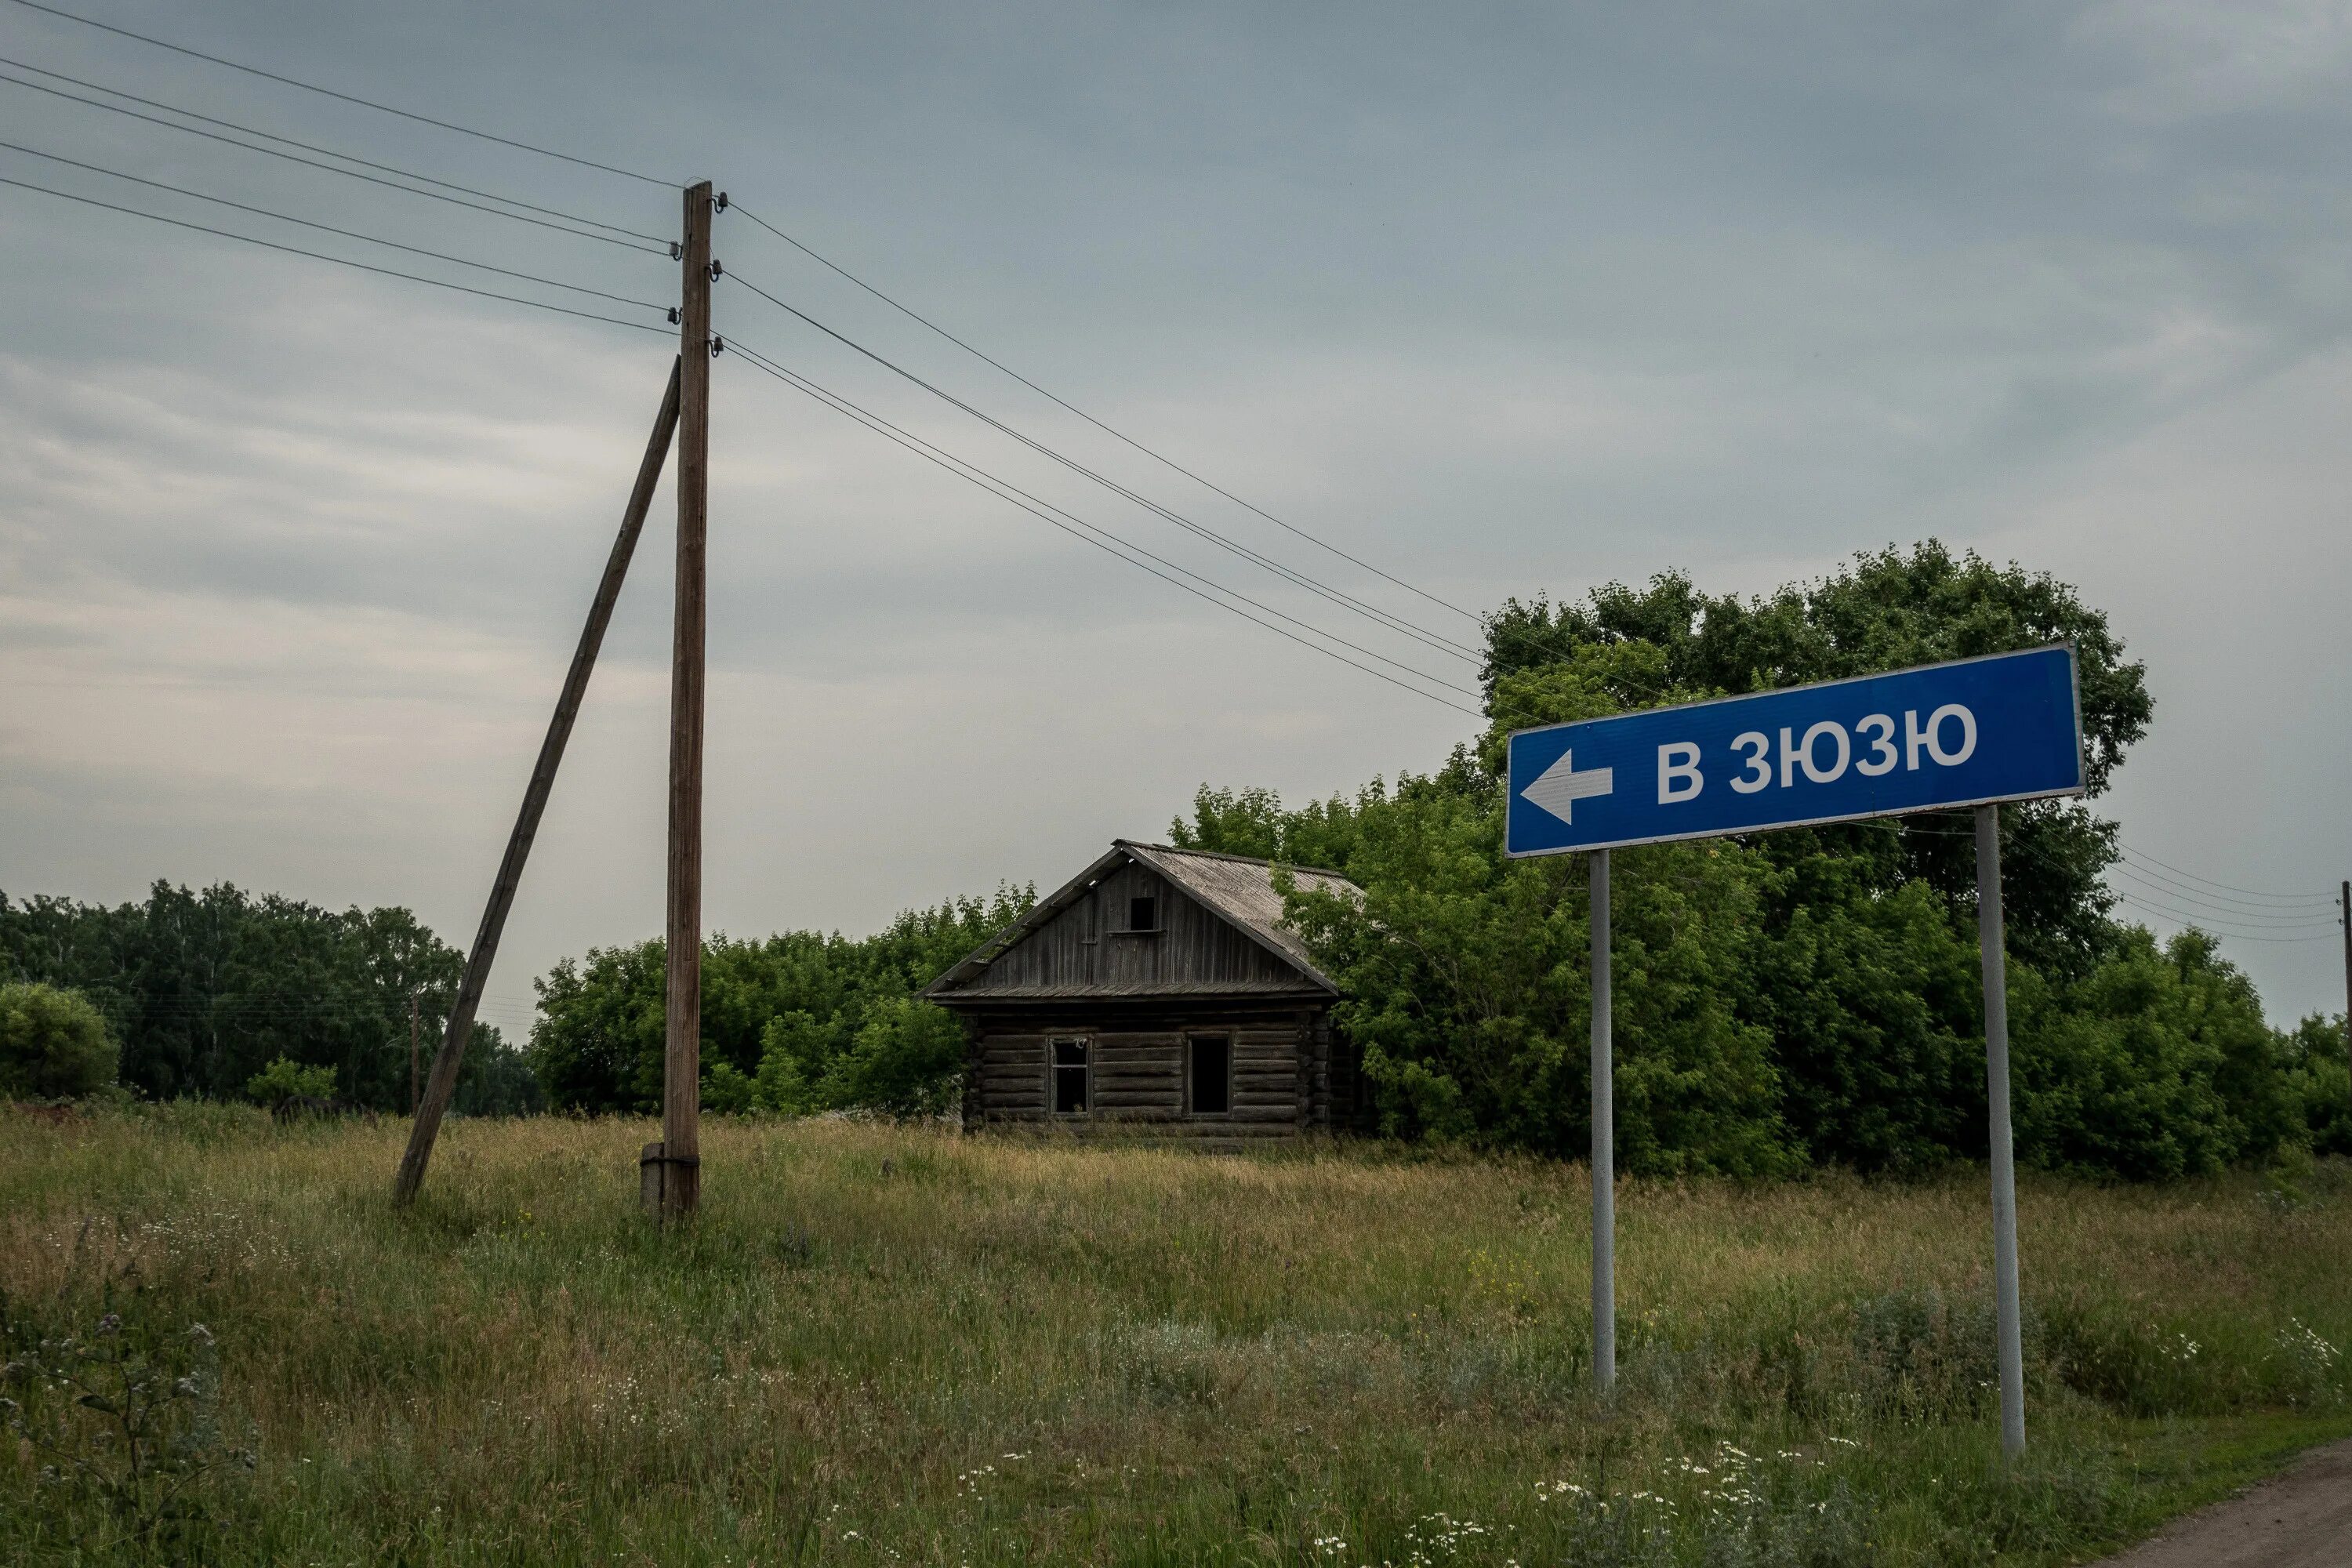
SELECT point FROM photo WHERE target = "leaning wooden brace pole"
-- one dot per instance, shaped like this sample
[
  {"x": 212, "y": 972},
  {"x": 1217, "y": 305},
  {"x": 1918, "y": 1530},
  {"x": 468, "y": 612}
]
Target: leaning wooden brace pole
[
  {"x": 442, "y": 1081},
  {"x": 681, "y": 1151}
]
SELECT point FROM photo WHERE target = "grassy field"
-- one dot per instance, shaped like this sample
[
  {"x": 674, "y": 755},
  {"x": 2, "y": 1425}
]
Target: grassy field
[{"x": 892, "y": 1346}]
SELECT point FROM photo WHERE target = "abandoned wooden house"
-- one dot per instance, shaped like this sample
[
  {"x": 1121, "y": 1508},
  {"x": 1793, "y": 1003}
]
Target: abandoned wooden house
[{"x": 1157, "y": 994}]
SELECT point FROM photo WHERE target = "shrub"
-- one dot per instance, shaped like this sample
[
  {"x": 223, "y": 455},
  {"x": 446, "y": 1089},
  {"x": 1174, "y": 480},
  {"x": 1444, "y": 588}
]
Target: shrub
[
  {"x": 54, "y": 1044},
  {"x": 907, "y": 1059},
  {"x": 2156, "y": 1065},
  {"x": 285, "y": 1078},
  {"x": 727, "y": 1091}
]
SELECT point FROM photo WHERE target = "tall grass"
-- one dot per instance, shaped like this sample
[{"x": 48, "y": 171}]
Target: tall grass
[{"x": 880, "y": 1345}]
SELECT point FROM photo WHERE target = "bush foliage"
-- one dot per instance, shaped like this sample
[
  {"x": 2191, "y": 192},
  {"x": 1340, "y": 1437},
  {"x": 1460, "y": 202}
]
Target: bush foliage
[
  {"x": 286, "y": 1078},
  {"x": 53, "y": 1045},
  {"x": 801, "y": 1022}
]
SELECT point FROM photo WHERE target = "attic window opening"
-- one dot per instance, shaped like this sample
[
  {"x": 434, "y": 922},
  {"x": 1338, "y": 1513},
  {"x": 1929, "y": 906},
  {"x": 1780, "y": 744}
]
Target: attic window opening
[{"x": 1143, "y": 914}]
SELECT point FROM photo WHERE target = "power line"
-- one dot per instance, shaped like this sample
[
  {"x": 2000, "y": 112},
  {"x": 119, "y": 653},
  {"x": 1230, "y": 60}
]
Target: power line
[
  {"x": 2172, "y": 888},
  {"x": 344, "y": 97},
  {"x": 1525, "y": 638},
  {"x": 1070, "y": 523},
  {"x": 2250, "y": 892},
  {"x": 331, "y": 228},
  {"x": 328, "y": 151},
  {"x": 330, "y": 168},
  {"x": 1110, "y": 430},
  {"x": 2199, "y": 923},
  {"x": 1085, "y": 532},
  {"x": 2140, "y": 903},
  {"x": 2238, "y": 917},
  {"x": 338, "y": 261},
  {"x": 882, "y": 426},
  {"x": 649, "y": 179},
  {"x": 1346, "y": 601}
]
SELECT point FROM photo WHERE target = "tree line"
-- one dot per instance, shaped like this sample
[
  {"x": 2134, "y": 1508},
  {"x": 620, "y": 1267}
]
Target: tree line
[
  {"x": 202, "y": 992},
  {"x": 799, "y": 1022},
  {"x": 1801, "y": 997},
  {"x": 1804, "y": 997}
]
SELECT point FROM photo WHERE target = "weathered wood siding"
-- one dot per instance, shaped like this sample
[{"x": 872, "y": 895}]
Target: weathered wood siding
[
  {"x": 1289, "y": 1072},
  {"x": 1266, "y": 1076},
  {"x": 1087, "y": 949},
  {"x": 1138, "y": 1077},
  {"x": 1010, "y": 1075}
]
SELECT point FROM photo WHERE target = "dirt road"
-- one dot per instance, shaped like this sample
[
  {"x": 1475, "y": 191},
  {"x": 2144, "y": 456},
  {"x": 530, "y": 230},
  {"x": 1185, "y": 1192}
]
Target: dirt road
[{"x": 2301, "y": 1520}]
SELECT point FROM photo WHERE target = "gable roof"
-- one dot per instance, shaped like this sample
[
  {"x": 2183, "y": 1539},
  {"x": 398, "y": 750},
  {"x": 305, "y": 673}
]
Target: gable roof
[{"x": 1238, "y": 889}]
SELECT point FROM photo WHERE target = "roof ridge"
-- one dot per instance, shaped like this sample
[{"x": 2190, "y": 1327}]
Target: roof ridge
[{"x": 1222, "y": 854}]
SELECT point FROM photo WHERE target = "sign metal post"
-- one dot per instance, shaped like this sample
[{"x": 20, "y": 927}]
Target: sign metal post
[
  {"x": 1973, "y": 733},
  {"x": 1604, "y": 1143},
  {"x": 1990, "y": 940}
]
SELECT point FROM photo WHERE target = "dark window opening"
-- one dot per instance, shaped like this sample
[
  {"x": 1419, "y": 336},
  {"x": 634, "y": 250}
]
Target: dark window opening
[
  {"x": 1069, "y": 1078},
  {"x": 1212, "y": 1068},
  {"x": 1143, "y": 914}
]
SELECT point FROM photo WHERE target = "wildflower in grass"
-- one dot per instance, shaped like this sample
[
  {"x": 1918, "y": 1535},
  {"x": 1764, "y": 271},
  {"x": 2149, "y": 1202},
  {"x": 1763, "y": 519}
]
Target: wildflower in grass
[{"x": 2298, "y": 1338}]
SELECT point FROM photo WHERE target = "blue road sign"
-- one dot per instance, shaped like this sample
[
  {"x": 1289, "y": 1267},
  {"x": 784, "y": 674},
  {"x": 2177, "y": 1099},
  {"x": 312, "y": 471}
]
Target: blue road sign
[{"x": 2006, "y": 727}]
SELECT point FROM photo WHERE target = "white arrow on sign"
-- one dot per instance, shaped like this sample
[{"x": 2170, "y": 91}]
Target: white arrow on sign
[{"x": 1561, "y": 786}]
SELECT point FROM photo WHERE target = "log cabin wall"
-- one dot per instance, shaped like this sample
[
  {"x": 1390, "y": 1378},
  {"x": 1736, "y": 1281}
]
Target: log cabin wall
[{"x": 1138, "y": 1079}]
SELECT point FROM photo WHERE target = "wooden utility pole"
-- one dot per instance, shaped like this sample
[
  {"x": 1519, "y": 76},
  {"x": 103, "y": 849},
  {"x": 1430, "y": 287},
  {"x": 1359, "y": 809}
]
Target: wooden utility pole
[
  {"x": 2347, "y": 907},
  {"x": 681, "y": 1151},
  {"x": 413, "y": 1082},
  {"x": 443, "y": 1079}
]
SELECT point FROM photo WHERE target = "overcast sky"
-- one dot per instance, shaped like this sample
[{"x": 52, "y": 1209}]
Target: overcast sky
[{"x": 1502, "y": 300}]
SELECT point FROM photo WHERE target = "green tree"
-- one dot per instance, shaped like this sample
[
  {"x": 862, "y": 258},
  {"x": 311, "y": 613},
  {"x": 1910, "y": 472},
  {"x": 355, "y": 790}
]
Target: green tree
[
  {"x": 53, "y": 1043},
  {"x": 494, "y": 1078},
  {"x": 1885, "y": 611},
  {"x": 787, "y": 1016},
  {"x": 2157, "y": 1064},
  {"x": 906, "y": 1059},
  {"x": 2319, "y": 1073},
  {"x": 203, "y": 990},
  {"x": 1811, "y": 994}
]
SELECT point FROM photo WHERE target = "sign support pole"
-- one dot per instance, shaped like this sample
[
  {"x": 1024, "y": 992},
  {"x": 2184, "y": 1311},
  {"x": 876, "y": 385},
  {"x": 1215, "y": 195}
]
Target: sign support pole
[
  {"x": 1605, "y": 1143},
  {"x": 1989, "y": 938}
]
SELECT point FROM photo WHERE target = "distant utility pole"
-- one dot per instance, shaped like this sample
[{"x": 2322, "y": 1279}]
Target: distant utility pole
[
  {"x": 413, "y": 1079},
  {"x": 2346, "y": 907},
  {"x": 681, "y": 1161}
]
